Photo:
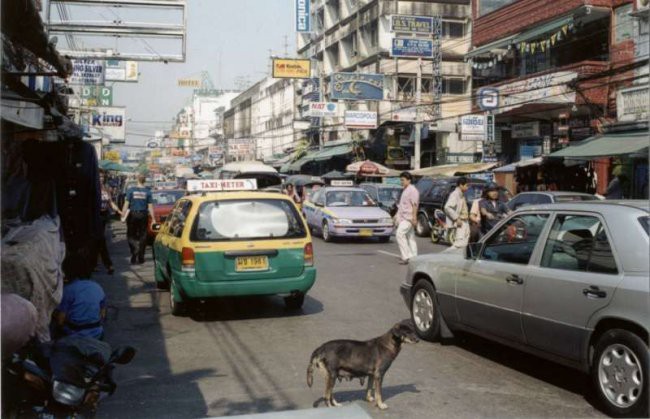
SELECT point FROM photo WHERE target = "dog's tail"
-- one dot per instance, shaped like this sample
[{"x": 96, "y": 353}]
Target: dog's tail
[{"x": 313, "y": 361}]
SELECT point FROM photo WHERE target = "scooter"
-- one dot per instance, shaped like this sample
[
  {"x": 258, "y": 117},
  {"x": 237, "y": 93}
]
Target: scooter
[
  {"x": 62, "y": 379},
  {"x": 439, "y": 229}
]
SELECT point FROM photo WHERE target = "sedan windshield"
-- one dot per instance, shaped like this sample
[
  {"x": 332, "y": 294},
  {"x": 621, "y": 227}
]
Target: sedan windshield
[{"x": 349, "y": 199}]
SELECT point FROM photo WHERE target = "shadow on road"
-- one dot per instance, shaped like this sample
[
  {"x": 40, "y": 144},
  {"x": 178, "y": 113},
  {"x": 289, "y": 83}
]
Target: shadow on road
[
  {"x": 360, "y": 395},
  {"x": 134, "y": 318},
  {"x": 245, "y": 308}
]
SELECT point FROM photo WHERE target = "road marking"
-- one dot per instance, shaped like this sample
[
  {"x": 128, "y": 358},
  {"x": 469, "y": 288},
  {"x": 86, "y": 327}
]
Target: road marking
[{"x": 388, "y": 253}]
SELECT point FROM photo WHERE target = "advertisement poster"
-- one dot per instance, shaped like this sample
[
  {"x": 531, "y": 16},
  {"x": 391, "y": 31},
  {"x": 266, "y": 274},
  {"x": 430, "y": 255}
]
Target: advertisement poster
[{"x": 291, "y": 68}]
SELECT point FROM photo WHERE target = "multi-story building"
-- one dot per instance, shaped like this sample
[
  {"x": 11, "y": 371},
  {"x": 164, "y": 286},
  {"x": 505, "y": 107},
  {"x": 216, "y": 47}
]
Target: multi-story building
[
  {"x": 555, "y": 67},
  {"x": 355, "y": 36},
  {"x": 260, "y": 122}
]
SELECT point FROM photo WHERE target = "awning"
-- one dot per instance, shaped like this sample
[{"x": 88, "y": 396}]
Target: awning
[
  {"x": 453, "y": 169},
  {"x": 522, "y": 163},
  {"x": 538, "y": 31},
  {"x": 318, "y": 155},
  {"x": 500, "y": 44},
  {"x": 606, "y": 145}
]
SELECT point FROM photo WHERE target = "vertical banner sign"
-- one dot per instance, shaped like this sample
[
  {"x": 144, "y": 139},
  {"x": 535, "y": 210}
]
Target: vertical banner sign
[
  {"x": 303, "y": 20},
  {"x": 489, "y": 128}
]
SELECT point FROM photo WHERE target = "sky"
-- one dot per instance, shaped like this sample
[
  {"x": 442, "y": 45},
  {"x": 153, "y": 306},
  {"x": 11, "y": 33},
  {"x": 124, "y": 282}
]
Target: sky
[{"x": 239, "y": 32}]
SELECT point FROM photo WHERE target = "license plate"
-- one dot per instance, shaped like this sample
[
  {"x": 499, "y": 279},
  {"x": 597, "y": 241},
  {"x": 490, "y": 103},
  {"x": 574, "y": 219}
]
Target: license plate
[
  {"x": 251, "y": 263},
  {"x": 365, "y": 232}
]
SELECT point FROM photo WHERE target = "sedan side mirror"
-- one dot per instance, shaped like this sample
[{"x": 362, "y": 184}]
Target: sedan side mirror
[{"x": 472, "y": 250}]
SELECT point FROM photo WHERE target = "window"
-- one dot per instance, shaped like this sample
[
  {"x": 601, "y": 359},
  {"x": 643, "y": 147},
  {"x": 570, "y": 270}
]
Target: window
[
  {"x": 424, "y": 185},
  {"x": 438, "y": 192},
  {"x": 453, "y": 29},
  {"x": 487, "y": 6},
  {"x": 178, "y": 217},
  {"x": 579, "y": 243},
  {"x": 453, "y": 86},
  {"x": 515, "y": 241},
  {"x": 247, "y": 220},
  {"x": 645, "y": 223}
]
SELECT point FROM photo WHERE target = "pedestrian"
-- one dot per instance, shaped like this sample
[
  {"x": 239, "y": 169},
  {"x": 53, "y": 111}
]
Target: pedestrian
[
  {"x": 616, "y": 185},
  {"x": 138, "y": 205},
  {"x": 475, "y": 219},
  {"x": 83, "y": 305},
  {"x": 406, "y": 218},
  {"x": 105, "y": 213},
  {"x": 457, "y": 213},
  {"x": 492, "y": 210},
  {"x": 291, "y": 192}
]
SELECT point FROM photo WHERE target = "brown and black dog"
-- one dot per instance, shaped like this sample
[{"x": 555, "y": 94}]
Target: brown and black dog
[{"x": 360, "y": 359}]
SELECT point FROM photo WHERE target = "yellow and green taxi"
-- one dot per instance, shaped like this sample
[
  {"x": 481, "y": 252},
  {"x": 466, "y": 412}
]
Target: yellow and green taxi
[{"x": 234, "y": 243}]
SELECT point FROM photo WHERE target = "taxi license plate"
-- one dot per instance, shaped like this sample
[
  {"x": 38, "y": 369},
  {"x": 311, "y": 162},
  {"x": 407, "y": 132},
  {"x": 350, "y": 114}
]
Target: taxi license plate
[
  {"x": 251, "y": 263},
  {"x": 365, "y": 232}
]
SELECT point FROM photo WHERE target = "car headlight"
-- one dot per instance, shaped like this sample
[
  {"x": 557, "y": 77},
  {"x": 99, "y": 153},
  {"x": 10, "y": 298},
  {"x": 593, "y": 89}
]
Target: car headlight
[
  {"x": 67, "y": 394},
  {"x": 386, "y": 221},
  {"x": 342, "y": 221}
]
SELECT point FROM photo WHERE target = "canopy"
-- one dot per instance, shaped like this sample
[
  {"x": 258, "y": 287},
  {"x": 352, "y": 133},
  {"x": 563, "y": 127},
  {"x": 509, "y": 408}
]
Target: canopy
[
  {"x": 303, "y": 180},
  {"x": 522, "y": 163},
  {"x": 109, "y": 165},
  {"x": 318, "y": 155},
  {"x": 606, "y": 145},
  {"x": 370, "y": 168},
  {"x": 335, "y": 174},
  {"x": 453, "y": 169}
]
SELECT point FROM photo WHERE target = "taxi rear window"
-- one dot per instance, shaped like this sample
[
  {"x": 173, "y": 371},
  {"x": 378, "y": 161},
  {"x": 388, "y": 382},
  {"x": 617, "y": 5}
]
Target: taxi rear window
[{"x": 251, "y": 219}]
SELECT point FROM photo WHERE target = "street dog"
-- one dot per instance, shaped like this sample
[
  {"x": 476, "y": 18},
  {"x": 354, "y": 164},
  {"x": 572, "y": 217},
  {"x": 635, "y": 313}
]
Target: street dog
[{"x": 351, "y": 359}]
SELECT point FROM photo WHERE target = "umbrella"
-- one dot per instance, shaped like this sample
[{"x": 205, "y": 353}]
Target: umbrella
[{"x": 370, "y": 168}]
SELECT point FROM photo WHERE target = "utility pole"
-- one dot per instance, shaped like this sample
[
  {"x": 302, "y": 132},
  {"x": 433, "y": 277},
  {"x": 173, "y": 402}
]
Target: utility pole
[
  {"x": 321, "y": 98},
  {"x": 418, "y": 120}
]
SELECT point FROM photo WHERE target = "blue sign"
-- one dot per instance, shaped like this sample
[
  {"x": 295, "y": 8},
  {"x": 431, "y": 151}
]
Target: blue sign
[
  {"x": 412, "y": 24},
  {"x": 412, "y": 48},
  {"x": 303, "y": 20},
  {"x": 488, "y": 98},
  {"x": 357, "y": 86}
]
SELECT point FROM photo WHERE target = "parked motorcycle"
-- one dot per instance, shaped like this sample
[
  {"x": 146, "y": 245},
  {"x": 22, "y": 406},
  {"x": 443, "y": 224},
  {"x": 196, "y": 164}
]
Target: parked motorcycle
[
  {"x": 439, "y": 230},
  {"x": 62, "y": 379}
]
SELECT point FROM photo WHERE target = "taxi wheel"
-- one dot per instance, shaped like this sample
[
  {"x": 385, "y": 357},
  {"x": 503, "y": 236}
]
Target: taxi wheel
[
  {"x": 327, "y": 236},
  {"x": 384, "y": 239},
  {"x": 294, "y": 301},
  {"x": 177, "y": 307}
]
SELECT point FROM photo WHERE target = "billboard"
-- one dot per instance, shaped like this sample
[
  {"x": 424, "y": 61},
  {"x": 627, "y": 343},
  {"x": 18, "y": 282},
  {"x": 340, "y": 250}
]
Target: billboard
[
  {"x": 361, "y": 119},
  {"x": 412, "y": 48},
  {"x": 303, "y": 19},
  {"x": 284, "y": 68},
  {"x": 121, "y": 71},
  {"x": 87, "y": 72},
  {"x": 411, "y": 24},
  {"x": 472, "y": 128},
  {"x": 111, "y": 120},
  {"x": 357, "y": 86}
]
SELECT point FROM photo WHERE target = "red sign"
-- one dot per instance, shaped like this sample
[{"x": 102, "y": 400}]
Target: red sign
[{"x": 367, "y": 168}]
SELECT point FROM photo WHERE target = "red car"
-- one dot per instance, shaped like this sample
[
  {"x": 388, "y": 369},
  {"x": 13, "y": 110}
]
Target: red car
[{"x": 163, "y": 202}]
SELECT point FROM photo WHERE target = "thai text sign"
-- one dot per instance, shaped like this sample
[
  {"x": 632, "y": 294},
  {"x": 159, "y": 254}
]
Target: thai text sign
[
  {"x": 472, "y": 128},
  {"x": 111, "y": 121},
  {"x": 632, "y": 104},
  {"x": 303, "y": 20},
  {"x": 525, "y": 130},
  {"x": 357, "y": 86},
  {"x": 548, "y": 88},
  {"x": 291, "y": 69},
  {"x": 361, "y": 119},
  {"x": 88, "y": 72},
  {"x": 411, "y": 24},
  {"x": 412, "y": 47}
]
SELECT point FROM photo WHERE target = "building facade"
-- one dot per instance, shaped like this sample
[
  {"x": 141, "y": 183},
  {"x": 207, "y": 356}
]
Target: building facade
[{"x": 355, "y": 36}]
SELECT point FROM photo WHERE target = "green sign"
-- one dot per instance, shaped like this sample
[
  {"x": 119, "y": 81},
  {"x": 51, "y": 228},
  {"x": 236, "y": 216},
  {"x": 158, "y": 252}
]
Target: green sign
[{"x": 97, "y": 95}]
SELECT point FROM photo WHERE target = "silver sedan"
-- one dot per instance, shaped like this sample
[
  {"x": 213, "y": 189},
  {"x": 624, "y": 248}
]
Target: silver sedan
[{"x": 567, "y": 282}]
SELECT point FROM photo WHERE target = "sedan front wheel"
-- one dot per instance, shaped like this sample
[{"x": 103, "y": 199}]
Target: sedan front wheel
[{"x": 424, "y": 311}]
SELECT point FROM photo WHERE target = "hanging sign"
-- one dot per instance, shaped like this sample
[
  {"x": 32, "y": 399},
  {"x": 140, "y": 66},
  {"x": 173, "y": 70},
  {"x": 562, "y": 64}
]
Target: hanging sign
[
  {"x": 96, "y": 96},
  {"x": 361, "y": 119},
  {"x": 87, "y": 72},
  {"x": 111, "y": 121},
  {"x": 291, "y": 68},
  {"x": 357, "y": 86},
  {"x": 472, "y": 128},
  {"x": 322, "y": 109},
  {"x": 411, "y": 24},
  {"x": 412, "y": 48},
  {"x": 303, "y": 19}
]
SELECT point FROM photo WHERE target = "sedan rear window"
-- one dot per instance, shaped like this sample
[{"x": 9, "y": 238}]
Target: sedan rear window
[
  {"x": 645, "y": 223},
  {"x": 256, "y": 219}
]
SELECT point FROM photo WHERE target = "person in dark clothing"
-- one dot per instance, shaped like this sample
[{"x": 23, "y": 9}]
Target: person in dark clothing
[
  {"x": 138, "y": 206},
  {"x": 492, "y": 210},
  {"x": 107, "y": 205}
]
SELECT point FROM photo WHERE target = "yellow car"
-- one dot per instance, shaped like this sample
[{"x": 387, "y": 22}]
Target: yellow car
[{"x": 237, "y": 243}]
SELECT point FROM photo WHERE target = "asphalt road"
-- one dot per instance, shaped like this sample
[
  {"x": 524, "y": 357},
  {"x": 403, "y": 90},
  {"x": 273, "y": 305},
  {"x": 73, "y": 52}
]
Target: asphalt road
[{"x": 243, "y": 356}]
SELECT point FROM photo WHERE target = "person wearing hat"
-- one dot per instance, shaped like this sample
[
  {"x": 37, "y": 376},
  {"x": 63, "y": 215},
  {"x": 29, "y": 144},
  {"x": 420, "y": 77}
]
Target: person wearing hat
[{"x": 492, "y": 210}]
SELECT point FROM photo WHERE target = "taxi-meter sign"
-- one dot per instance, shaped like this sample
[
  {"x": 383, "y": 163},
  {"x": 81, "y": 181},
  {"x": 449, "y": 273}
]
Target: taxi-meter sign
[{"x": 221, "y": 185}]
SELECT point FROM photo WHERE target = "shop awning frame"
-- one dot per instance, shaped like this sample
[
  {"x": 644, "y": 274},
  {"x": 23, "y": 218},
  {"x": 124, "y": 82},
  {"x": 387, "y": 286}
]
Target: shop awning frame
[
  {"x": 485, "y": 49},
  {"x": 606, "y": 145},
  {"x": 448, "y": 170}
]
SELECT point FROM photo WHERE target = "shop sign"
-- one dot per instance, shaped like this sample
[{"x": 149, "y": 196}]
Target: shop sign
[
  {"x": 193, "y": 83},
  {"x": 117, "y": 70},
  {"x": 412, "y": 48},
  {"x": 548, "y": 88},
  {"x": 632, "y": 104},
  {"x": 291, "y": 68},
  {"x": 525, "y": 130},
  {"x": 96, "y": 96},
  {"x": 411, "y": 24},
  {"x": 323, "y": 109},
  {"x": 488, "y": 99},
  {"x": 489, "y": 128},
  {"x": 472, "y": 128},
  {"x": 357, "y": 86},
  {"x": 86, "y": 72},
  {"x": 361, "y": 119},
  {"x": 110, "y": 121},
  {"x": 404, "y": 115},
  {"x": 303, "y": 18},
  {"x": 241, "y": 147}
]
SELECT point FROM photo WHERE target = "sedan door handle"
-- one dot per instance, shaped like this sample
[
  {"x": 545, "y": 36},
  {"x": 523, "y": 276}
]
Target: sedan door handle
[
  {"x": 594, "y": 292},
  {"x": 514, "y": 279}
]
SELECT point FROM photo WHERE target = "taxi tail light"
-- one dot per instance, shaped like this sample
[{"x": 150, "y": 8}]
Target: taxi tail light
[
  {"x": 309, "y": 254},
  {"x": 187, "y": 258}
]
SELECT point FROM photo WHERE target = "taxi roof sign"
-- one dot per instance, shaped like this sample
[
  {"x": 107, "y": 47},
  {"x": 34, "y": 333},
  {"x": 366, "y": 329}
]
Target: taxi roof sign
[
  {"x": 221, "y": 185},
  {"x": 342, "y": 183}
]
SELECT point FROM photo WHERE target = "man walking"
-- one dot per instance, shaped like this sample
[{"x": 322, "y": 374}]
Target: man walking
[
  {"x": 406, "y": 217},
  {"x": 457, "y": 213},
  {"x": 137, "y": 204},
  {"x": 492, "y": 210}
]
